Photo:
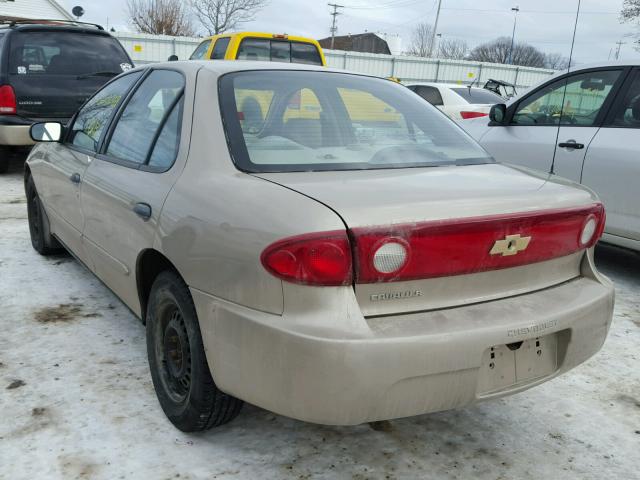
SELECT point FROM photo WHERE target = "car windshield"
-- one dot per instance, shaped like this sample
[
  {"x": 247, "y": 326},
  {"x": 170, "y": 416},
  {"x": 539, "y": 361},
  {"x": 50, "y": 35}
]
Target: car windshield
[
  {"x": 279, "y": 121},
  {"x": 478, "y": 95},
  {"x": 65, "y": 53}
]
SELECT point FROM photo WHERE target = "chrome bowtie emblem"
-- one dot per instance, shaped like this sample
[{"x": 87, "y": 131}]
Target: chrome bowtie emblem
[{"x": 511, "y": 245}]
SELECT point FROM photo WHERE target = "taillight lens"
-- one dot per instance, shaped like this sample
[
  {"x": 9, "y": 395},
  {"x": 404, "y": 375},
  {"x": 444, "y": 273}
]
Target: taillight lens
[
  {"x": 313, "y": 259},
  {"x": 469, "y": 245},
  {"x": 468, "y": 115},
  {"x": 7, "y": 100}
]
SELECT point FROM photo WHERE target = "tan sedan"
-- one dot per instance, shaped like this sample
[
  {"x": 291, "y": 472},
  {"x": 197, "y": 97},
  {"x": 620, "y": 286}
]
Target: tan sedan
[{"x": 317, "y": 243}]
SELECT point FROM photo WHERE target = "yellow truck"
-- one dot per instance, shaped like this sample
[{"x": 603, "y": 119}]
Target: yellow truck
[{"x": 270, "y": 47}]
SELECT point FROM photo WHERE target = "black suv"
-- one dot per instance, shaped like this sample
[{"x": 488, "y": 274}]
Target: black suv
[{"x": 48, "y": 68}]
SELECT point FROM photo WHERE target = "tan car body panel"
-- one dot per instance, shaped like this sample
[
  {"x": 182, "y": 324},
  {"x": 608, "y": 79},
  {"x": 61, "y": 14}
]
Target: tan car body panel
[{"x": 323, "y": 354}]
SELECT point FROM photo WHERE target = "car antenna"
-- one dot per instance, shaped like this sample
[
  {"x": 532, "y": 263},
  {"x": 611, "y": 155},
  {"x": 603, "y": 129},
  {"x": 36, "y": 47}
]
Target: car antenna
[{"x": 564, "y": 92}]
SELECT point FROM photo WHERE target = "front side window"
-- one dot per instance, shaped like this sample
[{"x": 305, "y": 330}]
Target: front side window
[
  {"x": 92, "y": 119},
  {"x": 220, "y": 48},
  {"x": 65, "y": 53},
  {"x": 576, "y": 100},
  {"x": 200, "y": 51},
  {"x": 627, "y": 113},
  {"x": 280, "y": 121},
  {"x": 144, "y": 115}
]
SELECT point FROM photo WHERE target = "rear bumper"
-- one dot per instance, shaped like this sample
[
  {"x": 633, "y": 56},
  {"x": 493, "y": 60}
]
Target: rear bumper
[
  {"x": 404, "y": 365},
  {"x": 14, "y": 131}
]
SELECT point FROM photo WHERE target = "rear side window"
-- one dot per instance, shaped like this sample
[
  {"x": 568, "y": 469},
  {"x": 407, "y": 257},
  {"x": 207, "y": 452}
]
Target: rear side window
[
  {"x": 144, "y": 116},
  {"x": 220, "y": 48},
  {"x": 430, "y": 94},
  {"x": 278, "y": 51},
  {"x": 94, "y": 116},
  {"x": 65, "y": 53},
  {"x": 200, "y": 51},
  {"x": 478, "y": 95}
]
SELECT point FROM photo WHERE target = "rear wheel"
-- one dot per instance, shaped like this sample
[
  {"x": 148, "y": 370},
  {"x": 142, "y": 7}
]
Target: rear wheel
[
  {"x": 179, "y": 370},
  {"x": 41, "y": 239}
]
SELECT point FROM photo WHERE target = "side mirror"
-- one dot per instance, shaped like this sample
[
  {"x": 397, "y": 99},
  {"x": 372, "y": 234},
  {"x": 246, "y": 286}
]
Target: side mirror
[
  {"x": 46, "y": 132},
  {"x": 172, "y": 58},
  {"x": 498, "y": 114}
]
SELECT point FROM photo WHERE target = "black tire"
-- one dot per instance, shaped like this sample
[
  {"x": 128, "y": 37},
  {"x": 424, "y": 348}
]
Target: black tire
[
  {"x": 179, "y": 370},
  {"x": 41, "y": 239},
  {"x": 5, "y": 159}
]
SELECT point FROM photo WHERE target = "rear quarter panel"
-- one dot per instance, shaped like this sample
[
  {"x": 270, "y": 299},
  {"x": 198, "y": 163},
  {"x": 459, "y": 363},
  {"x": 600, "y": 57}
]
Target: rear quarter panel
[{"x": 217, "y": 220}]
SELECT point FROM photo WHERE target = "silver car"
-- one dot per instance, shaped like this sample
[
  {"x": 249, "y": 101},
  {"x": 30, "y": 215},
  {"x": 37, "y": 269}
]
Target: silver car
[
  {"x": 582, "y": 125},
  {"x": 317, "y": 243}
]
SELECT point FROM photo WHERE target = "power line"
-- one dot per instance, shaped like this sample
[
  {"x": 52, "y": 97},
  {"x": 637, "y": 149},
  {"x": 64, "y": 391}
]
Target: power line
[{"x": 334, "y": 27}]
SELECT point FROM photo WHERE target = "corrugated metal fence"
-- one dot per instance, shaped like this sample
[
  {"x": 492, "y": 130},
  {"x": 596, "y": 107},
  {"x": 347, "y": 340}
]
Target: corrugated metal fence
[{"x": 154, "y": 48}]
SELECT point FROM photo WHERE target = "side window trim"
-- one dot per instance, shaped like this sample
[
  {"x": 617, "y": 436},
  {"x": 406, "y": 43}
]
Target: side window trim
[
  {"x": 606, "y": 105},
  {"x": 106, "y": 130}
]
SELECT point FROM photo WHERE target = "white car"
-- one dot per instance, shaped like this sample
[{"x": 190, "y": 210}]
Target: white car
[
  {"x": 586, "y": 132},
  {"x": 459, "y": 102}
]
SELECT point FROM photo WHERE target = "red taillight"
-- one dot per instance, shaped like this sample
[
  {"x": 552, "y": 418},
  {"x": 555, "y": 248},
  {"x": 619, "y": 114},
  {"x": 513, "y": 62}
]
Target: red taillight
[
  {"x": 313, "y": 259},
  {"x": 7, "y": 100},
  {"x": 469, "y": 245},
  {"x": 468, "y": 115}
]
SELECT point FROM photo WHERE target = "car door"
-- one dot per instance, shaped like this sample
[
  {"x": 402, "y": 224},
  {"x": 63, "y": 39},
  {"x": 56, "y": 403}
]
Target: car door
[
  {"x": 125, "y": 187},
  {"x": 66, "y": 163},
  {"x": 612, "y": 164},
  {"x": 567, "y": 111}
]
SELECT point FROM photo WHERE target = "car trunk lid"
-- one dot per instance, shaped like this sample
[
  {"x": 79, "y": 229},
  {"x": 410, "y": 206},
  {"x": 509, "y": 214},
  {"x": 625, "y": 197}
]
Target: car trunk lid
[{"x": 412, "y": 204}]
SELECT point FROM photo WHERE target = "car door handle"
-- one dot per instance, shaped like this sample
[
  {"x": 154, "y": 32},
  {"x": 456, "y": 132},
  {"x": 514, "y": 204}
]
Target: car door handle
[
  {"x": 143, "y": 210},
  {"x": 571, "y": 144},
  {"x": 75, "y": 178}
]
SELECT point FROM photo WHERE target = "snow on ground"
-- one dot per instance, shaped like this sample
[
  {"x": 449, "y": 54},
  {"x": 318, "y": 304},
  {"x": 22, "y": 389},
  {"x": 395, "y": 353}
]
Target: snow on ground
[{"x": 76, "y": 399}]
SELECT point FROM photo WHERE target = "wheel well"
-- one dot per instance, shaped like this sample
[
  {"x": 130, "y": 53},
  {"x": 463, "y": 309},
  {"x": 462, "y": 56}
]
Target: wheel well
[{"x": 151, "y": 263}]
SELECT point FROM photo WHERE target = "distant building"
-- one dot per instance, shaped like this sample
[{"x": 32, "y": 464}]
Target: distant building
[
  {"x": 361, "y": 42},
  {"x": 32, "y": 9}
]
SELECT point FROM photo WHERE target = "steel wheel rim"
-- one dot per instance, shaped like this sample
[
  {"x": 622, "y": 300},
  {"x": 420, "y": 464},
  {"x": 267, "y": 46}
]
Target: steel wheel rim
[{"x": 175, "y": 354}]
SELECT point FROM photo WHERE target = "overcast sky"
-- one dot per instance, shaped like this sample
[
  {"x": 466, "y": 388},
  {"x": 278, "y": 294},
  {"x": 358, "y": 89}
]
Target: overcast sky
[{"x": 547, "y": 24}]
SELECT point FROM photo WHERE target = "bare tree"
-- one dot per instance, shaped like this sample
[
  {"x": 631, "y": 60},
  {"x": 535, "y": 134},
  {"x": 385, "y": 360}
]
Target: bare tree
[
  {"x": 556, "y": 61},
  {"x": 631, "y": 13},
  {"x": 219, "y": 16},
  {"x": 160, "y": 17},
  {"x": 453, "y": 49},
  {"x": 421, "y": 40},
  {"x": 498, "y": 51}
]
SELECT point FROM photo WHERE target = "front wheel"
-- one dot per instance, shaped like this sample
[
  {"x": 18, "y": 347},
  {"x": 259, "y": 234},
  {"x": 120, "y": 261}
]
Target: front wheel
[
  {"x": 41, "y": 239},
  {"x": 179, "y": 370}
]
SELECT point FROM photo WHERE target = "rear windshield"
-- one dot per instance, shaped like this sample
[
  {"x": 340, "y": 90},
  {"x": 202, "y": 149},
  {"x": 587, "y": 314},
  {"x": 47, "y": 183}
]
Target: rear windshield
[
  {"x": 65, "y": 53},
  {"x": 478, "y": 95},
  {"x": 264, "y": 49},
  {"x": 280, "y": 121}
]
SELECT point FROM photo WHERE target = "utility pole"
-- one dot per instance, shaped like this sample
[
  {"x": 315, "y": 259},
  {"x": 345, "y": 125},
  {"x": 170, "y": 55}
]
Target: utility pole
[
  {"x": 435, "y": 29},
  {"x": 334, "y": 14},
  {"x": 619, "y": 43},
  {"x": 513, "y": 35}
]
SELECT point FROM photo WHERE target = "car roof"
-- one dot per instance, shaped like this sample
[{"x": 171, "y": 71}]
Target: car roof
[
  {"x": 44, "y": 24},
  {"x": 222, "y": 67},
  {"x": 443, "y": 85},
  {"x": 277, "y": 36}
]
